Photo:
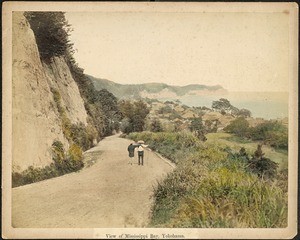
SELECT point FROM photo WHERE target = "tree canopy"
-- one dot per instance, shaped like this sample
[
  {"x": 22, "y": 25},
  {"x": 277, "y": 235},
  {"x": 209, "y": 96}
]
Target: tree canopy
[
  {"x": 224, "y": 106},
  {"x": 134, "y": 115},
  {"x": 51, "y": 30}
]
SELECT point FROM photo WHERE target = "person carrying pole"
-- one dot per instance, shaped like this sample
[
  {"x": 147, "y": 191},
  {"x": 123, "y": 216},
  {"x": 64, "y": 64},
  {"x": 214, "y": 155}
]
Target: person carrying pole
[
  {"x": 141, "y": 152},
  {"x": 141, "y": 155}
]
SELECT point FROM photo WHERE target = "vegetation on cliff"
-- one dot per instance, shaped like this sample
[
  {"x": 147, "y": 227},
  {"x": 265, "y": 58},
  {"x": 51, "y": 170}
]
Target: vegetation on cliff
[
  {"x": 51, "y": 31},
  {"x": 63, "y": 162}
]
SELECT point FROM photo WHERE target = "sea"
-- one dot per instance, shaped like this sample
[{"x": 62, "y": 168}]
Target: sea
[{"x": 267, "y": 105}]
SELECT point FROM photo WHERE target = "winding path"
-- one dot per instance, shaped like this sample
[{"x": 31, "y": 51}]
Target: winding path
[{"x": 108, "y": 193}]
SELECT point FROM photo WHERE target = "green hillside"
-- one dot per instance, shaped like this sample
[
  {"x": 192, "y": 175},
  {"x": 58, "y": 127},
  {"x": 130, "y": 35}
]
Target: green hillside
[{"x": 133, "y": 90}]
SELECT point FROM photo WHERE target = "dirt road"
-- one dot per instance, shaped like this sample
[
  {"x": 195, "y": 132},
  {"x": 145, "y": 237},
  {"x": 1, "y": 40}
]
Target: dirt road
[{"x": 109, "y": 193}]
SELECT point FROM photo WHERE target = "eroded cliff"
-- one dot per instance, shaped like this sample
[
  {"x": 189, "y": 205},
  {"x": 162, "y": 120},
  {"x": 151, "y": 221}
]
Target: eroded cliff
[{"x": 36, "y": 119}]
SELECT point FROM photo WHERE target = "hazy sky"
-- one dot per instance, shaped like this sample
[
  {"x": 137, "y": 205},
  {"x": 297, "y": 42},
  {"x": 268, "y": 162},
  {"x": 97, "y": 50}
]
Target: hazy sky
[{"x": 240, "y": 51}]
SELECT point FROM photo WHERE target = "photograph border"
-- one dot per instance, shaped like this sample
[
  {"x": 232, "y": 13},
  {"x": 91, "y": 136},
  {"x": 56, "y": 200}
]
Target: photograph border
[{"x": 190, "y": 233}]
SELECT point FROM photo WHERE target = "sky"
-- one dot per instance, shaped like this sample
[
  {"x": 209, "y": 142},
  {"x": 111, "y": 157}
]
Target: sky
[{"x": 239, "y": 51}]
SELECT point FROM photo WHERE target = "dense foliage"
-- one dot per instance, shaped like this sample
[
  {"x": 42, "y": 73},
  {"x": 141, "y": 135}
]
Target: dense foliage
[
  {"x": 156, "y": 126},
  {"x": 134, "y": 115},
  {"x": 239, "y": 127},
  {"x": 101, "y": 106},
  {"x": 170, "y": 112},
  {"x": 224, "y": 105},
  {"x": 51, "y": 30},
  {"x": 271, "y": 132},
  {"x": 262, "y": 166},
  {"x": 63, "y": 162},
  {"x": 213, "y": 187}
]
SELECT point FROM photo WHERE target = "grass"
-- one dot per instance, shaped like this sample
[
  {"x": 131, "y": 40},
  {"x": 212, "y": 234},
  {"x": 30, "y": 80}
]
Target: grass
[
  {"x": 226, "y": 139},
  {"x": 212, "y": 186}
]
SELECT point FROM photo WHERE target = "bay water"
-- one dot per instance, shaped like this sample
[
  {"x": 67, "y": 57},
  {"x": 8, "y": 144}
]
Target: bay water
[{"x": 267, "y": 105}]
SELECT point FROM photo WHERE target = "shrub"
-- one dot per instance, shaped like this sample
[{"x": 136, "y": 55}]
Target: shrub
[
  {"x": 272, "y": 133},
  {"x": 31, "y": 175},
  {"x": 74, "y": 158},
  {"x": 62, "y": 163},
  {"x": 156, "y": 126},
  {"x": 174, "y": 115},
  {"x": 65, "y": 163},
  {"x": 239, "y": 127},
  {"x": 80, "y": 136},
  {"x": 58, "y": 152},
  {"x": 65, "y": 121},
  {"x": 262, "y": 166},
  {"x": 165, "y": 110},
  {"x": 197, "y": 127}
]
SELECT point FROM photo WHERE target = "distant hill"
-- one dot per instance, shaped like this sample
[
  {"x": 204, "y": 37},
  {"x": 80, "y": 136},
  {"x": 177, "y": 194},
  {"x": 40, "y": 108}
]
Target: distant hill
[{"x": 152, "y": 90}]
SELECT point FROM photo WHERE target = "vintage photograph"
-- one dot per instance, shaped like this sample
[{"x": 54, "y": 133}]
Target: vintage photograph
[{"x": 150, "y": 120}]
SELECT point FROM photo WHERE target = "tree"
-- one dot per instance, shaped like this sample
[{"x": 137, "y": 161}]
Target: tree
[
  {"x": 109, "y": 105},
  {"x": 239, "y": 126},
  {"x": 221, "y": 104},
  {"x": 197, "y": 127},
  {"x": 126, "y": 108},
  {"x": 211, "y": 125},
  {"x": 224, "y": 106},
  {"x": 244, "y": 113},
  {"x": 258, "y": 154},
  {"x": 262, "y": 166},
  {"x": 272, "y": 133},
  {"x": 156, "y": 126},
  {"x": 134, "y": 115},
  {"x": 140, "y": 113},
  {"x": 243, "y": 154},
  {"x": 126, "y": 125},
  {"x": 51, "y": 31},
  {"x": 165, "y": 110}
]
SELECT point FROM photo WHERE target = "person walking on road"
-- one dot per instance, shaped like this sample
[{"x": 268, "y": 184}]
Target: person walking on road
[
  {"x": 130, "y": 149},
  {"x": 141, "y": 155}
]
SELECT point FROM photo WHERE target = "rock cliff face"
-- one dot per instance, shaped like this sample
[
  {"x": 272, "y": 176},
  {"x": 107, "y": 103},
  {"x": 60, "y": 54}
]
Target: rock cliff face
[
  {"x": 36, "y": 121},
  {"x": 60, "y": 78}
]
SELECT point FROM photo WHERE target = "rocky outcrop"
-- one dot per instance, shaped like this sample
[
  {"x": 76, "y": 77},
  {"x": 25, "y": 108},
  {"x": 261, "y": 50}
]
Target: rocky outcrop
[{"x": 36, "y": 121}]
